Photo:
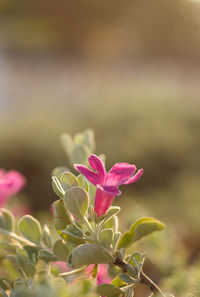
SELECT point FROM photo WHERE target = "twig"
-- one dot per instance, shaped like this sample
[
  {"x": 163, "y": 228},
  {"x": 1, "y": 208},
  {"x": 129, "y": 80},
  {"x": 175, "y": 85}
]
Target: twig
[{"x": 143, "y": 277}]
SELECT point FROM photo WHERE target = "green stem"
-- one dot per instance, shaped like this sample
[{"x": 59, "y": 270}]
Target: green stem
[
  {"x": 72, "y": 272},
  {"x": 17, "y": 237}
]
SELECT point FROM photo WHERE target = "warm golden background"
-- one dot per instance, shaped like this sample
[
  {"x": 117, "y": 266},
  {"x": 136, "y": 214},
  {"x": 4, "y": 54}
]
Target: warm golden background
[{"x": 129, "y": 70}]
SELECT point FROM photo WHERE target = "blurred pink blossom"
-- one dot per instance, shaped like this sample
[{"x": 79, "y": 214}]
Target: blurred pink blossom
[
  {"x": 107, "y": 183},
  {"x": 11, "y": 182},
  {"x": 102, "y": 274}
]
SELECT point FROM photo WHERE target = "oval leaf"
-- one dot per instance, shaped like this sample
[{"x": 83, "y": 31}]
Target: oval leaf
[
  {"x": 86, "y": 254},
  {"x": 76, "y": 200},
  {"x": 61, "y": 215},
  {"x": 80, "y": 154},
  {"x": 68, "y": 180},
  {"x": 30, "y": 228},
  {"x": 109, "y": 290},
  {"x": 60, "y": 250},
  {"x": 142, "y": 227}
]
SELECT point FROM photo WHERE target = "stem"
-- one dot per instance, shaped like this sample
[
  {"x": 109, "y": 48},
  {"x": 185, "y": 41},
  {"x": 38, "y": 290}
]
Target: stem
[
  {"x": 85, "y": 221},
  {"x": 17, "y": 237},
  {"x": 143, "y": 277},
  {"x": 72, "y": 272}
]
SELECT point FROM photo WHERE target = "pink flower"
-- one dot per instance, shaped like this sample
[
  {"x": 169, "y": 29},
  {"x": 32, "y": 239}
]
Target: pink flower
[
  {"x": 107, "y": 183},
  {"x": 102, "y": 274},
  {"x": 11, "y": 182}
]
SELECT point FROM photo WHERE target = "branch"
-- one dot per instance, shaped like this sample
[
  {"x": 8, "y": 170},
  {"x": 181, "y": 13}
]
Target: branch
[{"x": 143, "y": 277}]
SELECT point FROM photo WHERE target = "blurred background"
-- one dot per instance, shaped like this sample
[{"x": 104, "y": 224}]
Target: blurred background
[{"x": 130, "y": 71}]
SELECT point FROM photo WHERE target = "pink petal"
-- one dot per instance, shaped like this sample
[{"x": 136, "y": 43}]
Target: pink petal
[
  {"x": 120, "y": 173},
  {"x": 103, "y": 201},
  {"x": 112, "y": 190},
  {"x": 89, "y": 174},
  {"x": 135, "y": 178},
  {"x": 102, "y": 275},
  {"x": 98, "y": 165}
]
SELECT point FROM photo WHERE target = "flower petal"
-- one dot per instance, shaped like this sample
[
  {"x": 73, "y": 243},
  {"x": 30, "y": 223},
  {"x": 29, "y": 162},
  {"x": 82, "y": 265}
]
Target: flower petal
[
  {"x": 98, "y": 165},
  {"x": 89, "y": 174},
  {"x": 135, "y": 178},
  {"x": 103, "y": 201},
  {"x": 112, "y": 190},
  {"x": 120, "y": 173}
]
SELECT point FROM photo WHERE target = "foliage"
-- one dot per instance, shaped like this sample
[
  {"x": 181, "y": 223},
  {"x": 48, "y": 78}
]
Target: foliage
[{"x": 84, "y": 238}]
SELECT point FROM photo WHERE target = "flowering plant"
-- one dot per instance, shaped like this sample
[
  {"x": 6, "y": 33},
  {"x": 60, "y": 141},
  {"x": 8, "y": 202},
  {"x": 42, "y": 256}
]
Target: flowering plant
[{"x": 87, "y": 241}]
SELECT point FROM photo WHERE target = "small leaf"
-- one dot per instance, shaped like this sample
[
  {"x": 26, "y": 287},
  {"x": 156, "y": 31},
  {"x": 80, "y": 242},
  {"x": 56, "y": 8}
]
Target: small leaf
[
  {"x": 10, "y": 247},
  {"x": 89, "y": 139},
  {"x": 8, "y": 219},
  {"x": 30, "y": 228},
  {"x": 113, "y": 210},
  {"x": 86, "y": 254},
  {"x": 74, "y": 230},
  {"x": 68, "y": 180},
  {"x": 61, "y": 215},
  {"x": 33, "y": 253},
  {"x": 67, "y": 143},
  {"x": 116, "y": 240},
  {"x": 46, "y": 256},
  {"x": 46, "y": 238},
  {"x": 82, "y": 182},
  {"x": 142, "y": 227},
  {"x": 106, "y": 237},
  {"x": 118, "y": 282},
  {"x": 60, "y": 250},
  {"x": 109, "y": 290},
  {"x": 29, "y": 269},
  {"x": 80, "y": 154},
  {"x": 67, "y": 236},
  {"x": 22, "y": 256},
  {"x": 13, "y": 259},
  {"x": 57, "y": 187},
  {"x": 58, "y": 171},
  {"x": 126, "y": 278},
  {"x": 76, "y": 201}
]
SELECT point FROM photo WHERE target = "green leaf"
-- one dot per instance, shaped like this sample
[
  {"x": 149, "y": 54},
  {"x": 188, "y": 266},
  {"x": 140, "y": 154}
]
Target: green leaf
[
  {"x": 76, "y": 201},
  {"x": 82, "y": 182},
  {"x": 74, "y": 230},
  {"x": 89, "y": 139},
  {"x": 106, "y": 237},
  {"x": 33, "y": 253},
  {"x": 126, "y": 278},
  {"x": 58, "y": 171},
  {"x": 68, "y": 180},
  {"x": 46, "y": 238},
  {"x": 60, "y": 250},
  {"x": 57, "y": 187},
  {"x": 142, "y": 227},
  {"x": 116, "y": 240},
  {"x": 22, "y": 256},
  {"x": 30, "y": 228},
  {"x": 67, "y": 143},
  {"x": 80, "y": 154},
  {"x": 13, "y": 259},
  {"x": 87, "y": 254},
  {"x": 109, "y": 290},
  {"x": 8, "y": 246},
  {"x": 118, "y": 282},
  {"x": 113, "y": 210},
  {"x": 46, "y": 256},
  {"x": 67, "y": 236},
  {"x": 61, "y": 215},
  {"x": 7, "y": 219}
]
